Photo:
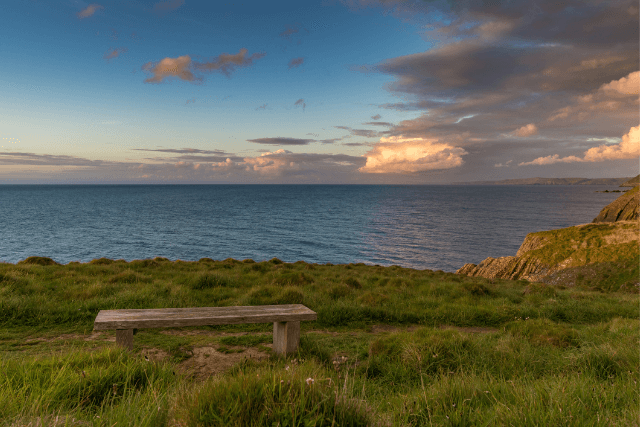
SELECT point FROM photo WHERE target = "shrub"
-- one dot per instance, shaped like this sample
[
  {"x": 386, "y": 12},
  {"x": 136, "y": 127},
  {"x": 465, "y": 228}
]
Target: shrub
[
  {"x": 292, "y": 279},
  {"x": 101, "y": 261},
  {"x": 273, "y": 397},
  {"x": 208, "y": 281},
  {"x": 38, "y": 260},
  {"x": 352, "y": 282}
]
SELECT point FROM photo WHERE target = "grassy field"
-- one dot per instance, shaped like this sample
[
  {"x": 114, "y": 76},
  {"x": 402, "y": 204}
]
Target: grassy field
[{"x": 391, "y": 346}]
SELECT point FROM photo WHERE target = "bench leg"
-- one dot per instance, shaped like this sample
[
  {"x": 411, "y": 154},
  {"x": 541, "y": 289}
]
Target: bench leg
[
  {"x": 286, "y": 337},
  {"x": 124, "y": 337}
]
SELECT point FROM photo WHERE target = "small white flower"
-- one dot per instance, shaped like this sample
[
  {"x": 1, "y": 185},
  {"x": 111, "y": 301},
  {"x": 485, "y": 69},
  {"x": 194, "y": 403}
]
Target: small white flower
[{"x": 309, "y": 381}]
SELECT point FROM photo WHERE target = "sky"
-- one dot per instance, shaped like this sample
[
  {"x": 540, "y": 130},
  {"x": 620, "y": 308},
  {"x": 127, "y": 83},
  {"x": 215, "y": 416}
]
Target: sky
[{"x": 328, "y": 91}]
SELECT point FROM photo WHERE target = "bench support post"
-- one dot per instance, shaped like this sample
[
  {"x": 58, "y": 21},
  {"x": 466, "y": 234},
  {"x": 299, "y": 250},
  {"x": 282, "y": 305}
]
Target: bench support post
[
  {"x": 286, "y": 337},
  {"x": 124, "y": 338}
]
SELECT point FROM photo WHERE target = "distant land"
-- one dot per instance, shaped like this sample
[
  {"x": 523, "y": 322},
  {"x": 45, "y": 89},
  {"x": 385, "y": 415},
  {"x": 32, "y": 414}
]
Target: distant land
[{"x": 553, "y": 181}]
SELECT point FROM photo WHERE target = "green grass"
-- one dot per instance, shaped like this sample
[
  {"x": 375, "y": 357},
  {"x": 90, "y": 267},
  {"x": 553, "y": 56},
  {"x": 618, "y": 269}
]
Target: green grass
[{"x": 377, "y": 355}]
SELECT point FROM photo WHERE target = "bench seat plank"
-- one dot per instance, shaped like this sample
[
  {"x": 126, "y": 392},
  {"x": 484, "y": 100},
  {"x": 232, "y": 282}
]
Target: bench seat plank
[{"x": 200, "y": 316}]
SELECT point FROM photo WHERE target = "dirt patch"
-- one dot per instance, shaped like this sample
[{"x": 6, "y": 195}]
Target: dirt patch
[
  {"x": 199, "y": 332},
  {"x": 154, "y": 354},
  {"x": 470, "y": 329},
  {"x": 207, "y": 361}
]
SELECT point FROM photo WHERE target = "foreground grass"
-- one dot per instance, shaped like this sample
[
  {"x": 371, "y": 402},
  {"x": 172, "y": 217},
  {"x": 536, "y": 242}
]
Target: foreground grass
[{"x": 399, "y": 347}]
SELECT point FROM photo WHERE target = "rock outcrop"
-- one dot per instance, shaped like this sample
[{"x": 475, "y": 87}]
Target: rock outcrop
[
  {"x": 545, "y": 253},
  {"x": 632, "y": 182},
  {"x": 624, "y": 208}
]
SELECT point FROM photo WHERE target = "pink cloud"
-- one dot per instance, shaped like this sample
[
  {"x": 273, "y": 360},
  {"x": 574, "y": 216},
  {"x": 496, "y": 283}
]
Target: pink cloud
[
  {"x": 89, "y": 10},
  {"x": 397, "y": 154},
  {"x": 527, "y": 130},
  {"x": 628, "y": 148},
  {"x": 170, "y": 67}
]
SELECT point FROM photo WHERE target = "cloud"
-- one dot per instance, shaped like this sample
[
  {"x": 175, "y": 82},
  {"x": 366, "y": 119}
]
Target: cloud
[
  {"x": 114, "y": 53},
  {"x": 629, "y": 85},
  {"x": 628, "y": 148},
  {"x": 167, "y": 6},
  {"x": 527, "y": 130},
  {"x": 227, "y": 63},
  {"x": 291, "y": 30},
  {"x": 170, "y": 67},
  {"x": 22, "y": 158},
  {"x": 376, "y": 117},
  {"x": 407, "y": 155},
  {"x": 283, "y": 162},
  {"x": 190, "y": 101},
  {"x": 379, "y": 124},
  {"x": 296, "y": 62},
  {"x": 300, "y": 102},
  {"x": 282, "y": 141},
  {"x": 89, "y": 11},
  {"x": 262, "y": 107},
  {"x": 360, "y": 132},
  {"x": 183, "y": 67},
  {"x": 183, "y": 151}
]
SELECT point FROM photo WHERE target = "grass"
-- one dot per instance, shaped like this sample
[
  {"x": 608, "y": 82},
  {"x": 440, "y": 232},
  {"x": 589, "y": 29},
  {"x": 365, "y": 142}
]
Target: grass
[{"x": 391, "y": 346}]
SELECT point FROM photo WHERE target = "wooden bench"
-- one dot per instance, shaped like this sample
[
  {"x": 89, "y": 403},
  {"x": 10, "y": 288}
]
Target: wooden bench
[{"x": 286, "y": 321}]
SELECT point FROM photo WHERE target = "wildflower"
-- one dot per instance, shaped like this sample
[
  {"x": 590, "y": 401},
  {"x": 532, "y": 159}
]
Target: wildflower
[{"x": 309, "y": 381}]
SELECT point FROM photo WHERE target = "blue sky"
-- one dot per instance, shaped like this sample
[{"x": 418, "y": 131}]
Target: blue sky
[{"x": 320, "y": 91}]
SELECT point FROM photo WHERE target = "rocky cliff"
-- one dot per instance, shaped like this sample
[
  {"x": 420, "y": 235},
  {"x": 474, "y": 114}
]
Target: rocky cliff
[
  {"x": 632, "y": 182},
  {"x": 544, "y": 254},
  {"x": 624, "y": 208}
]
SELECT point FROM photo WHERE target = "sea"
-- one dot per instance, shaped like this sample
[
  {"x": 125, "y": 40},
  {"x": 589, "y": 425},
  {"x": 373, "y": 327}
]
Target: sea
[{"x": 437, "y": 227}]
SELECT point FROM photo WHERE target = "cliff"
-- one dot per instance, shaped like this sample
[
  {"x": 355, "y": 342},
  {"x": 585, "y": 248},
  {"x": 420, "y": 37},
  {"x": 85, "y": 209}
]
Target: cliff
[
  {"x": 632, "y": 182},
  {"x": 555, "y": 181},
  {"x": 624, "y": 208},
  {"x": 568, "y": 255}
]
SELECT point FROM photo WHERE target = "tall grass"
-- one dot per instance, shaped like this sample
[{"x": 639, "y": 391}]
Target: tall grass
[{"x": 453, "y": 350}]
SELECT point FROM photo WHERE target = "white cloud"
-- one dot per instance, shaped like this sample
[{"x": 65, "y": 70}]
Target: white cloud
[{"x": 397, "y": 154}]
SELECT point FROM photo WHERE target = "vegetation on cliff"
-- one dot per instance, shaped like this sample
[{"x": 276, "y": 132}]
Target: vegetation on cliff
[
  {"x": 391, "y": 346},
  {"x": 632, "y": 182},
  {"x": 603, "y": 254},
  {"x": 624, "y": 208}
]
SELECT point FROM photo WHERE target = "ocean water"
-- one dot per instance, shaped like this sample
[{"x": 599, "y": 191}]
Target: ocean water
[{"x": 422, "y": 227}]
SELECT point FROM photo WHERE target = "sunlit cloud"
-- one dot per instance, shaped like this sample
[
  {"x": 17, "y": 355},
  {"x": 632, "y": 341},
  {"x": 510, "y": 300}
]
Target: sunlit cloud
[
  {"x": 407, "y": 155},
  {"x": 89, "y": 10},
  {"x": 182, "y": 67},
  {"x": 169, "y": 67},
  {"x": 628, "y": 148},
  {"x": 527, "y": 130}
]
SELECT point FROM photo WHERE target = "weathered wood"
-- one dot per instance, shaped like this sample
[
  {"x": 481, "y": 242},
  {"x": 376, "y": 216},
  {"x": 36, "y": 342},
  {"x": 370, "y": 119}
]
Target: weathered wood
[
  {"x": 286, "y": 321},
  {"x": 124, "y": 338},
  {"x": 286, "y": 337},
  {"x": 200, "y": 316}
]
